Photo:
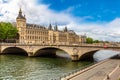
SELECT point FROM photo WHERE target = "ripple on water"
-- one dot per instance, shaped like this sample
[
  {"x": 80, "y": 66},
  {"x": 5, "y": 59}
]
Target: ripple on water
[{"x": 13, "y": 67}]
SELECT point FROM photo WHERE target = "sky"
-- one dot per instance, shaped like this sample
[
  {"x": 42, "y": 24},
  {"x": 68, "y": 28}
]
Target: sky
[{"x": 99, "y": 19}]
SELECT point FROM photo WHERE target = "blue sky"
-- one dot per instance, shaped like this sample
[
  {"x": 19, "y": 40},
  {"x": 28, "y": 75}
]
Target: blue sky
[
  {"x": 97, "y": 10},
  {"x": 99, "y": 19}
]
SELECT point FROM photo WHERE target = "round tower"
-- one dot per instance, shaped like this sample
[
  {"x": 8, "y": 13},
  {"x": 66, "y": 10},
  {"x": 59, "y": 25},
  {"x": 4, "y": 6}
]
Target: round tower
[
  {"x": 21, "y": 26},
  {"x": 21, "y": 20}
]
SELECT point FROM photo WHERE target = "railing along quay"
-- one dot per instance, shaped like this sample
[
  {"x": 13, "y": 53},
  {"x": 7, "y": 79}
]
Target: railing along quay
[
  {"x": 108, "y": 76},
  {"x": 73, "y": 72},
  {"x": 79, "y": 71}
]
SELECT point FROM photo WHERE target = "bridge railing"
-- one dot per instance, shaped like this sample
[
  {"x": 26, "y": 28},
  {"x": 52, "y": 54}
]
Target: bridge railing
[{"x": 56, "y": 44}]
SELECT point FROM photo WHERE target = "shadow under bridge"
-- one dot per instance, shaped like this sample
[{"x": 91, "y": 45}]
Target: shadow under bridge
[
  {"x": 14, "y": 51},
  {"x": 51, "y": 52},
  {"x": 88, "y": 56}
]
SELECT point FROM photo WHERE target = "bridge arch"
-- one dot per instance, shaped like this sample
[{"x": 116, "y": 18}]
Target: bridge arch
[
  {"x": 49, "y": 51},
  {"x": 88, "y": 55},
  {"x": 15, "y": 51}
]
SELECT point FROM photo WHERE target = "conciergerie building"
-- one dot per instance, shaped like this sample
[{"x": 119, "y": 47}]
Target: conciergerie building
[{"x": 37, "y": 34}]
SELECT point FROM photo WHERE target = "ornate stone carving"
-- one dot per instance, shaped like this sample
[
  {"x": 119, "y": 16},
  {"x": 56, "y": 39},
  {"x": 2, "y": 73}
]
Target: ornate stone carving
[{"x": 75, "y": 51}]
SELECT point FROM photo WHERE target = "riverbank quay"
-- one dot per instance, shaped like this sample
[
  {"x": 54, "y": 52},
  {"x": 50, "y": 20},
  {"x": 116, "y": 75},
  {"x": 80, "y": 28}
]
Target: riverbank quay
[
  {"x": 114, "y": 75},
  {"x": 99, "y": 71}
]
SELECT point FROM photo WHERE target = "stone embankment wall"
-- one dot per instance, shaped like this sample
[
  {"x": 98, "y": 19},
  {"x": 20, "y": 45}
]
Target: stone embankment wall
[{"x": 114, "y": 75}]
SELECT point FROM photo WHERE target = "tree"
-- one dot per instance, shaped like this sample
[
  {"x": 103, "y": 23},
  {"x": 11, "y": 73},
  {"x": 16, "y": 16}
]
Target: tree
[
  {"x": 89, "y": 40},
  {"x": 7, "y": 31},
  {"x": 96, "y": 41}
]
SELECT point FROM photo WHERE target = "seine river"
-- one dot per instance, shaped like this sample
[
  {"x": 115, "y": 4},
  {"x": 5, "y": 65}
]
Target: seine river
[{"x": 15, "y": 67}]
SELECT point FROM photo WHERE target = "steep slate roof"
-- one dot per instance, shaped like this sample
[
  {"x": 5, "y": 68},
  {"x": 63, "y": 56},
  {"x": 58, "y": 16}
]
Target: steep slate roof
[{"x": 34, "y": 26}]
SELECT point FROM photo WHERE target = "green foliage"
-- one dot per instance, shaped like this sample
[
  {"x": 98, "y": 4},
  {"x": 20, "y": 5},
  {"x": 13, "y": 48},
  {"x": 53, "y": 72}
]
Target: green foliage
[
  {"x": 96, "y": 41},
  {"x": 89, "y": 40},
  {"x": 7, "y": 31}
]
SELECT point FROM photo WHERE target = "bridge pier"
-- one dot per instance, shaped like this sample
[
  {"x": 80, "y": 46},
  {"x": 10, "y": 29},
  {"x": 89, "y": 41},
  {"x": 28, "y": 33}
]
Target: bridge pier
[
  {"x": 30, "y": 53},
  {"x": 74, "y": 57}
]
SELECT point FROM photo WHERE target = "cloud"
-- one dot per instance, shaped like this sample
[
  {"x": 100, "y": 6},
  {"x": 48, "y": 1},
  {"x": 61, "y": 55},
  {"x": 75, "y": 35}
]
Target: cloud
[
  {"x": 35, "y": 13},
  {"x": 103, "y": 31},
  {"x": 41, "y": 14}
]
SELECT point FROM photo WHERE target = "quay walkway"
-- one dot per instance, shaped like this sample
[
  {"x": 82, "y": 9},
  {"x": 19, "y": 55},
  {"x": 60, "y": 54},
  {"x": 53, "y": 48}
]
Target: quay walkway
[{"x": 105, "y": 70}]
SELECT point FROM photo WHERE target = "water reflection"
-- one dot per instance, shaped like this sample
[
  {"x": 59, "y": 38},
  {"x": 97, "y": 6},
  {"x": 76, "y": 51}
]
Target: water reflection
[{"x": 63, "y": 54}]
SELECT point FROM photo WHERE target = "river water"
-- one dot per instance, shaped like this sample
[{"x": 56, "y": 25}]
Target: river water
[{"x": 16, "y": 67}]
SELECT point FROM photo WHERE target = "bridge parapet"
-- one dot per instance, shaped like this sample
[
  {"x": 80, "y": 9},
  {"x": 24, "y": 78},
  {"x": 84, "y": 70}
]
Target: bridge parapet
[{"x": 78, "y": 45}]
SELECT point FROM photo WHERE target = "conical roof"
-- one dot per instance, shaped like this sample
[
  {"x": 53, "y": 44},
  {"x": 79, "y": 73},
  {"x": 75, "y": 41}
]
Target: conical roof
[{"x": 20, "y": 16}]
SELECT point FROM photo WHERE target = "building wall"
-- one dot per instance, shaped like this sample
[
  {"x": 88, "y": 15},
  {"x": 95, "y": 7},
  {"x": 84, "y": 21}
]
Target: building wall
[{"x": 36, "y": 34}]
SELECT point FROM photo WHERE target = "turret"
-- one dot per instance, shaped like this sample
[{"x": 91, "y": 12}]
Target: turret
[
  {"x": 56, "y": 28},
  {"x": 65, "y": 29},
  {"x": 20, "y": 16},
  {"x": 21, "y": 26},
  {"x": 50, "y": 27},
  {"x": 21, "y": 20}
]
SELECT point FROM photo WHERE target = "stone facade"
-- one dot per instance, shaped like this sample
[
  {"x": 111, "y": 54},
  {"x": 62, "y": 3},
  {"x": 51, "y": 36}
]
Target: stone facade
[{"x": 36, "y": 34}]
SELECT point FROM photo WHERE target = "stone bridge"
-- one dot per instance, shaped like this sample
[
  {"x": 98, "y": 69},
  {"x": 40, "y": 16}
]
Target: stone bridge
[{"x": 76, "y": 52}]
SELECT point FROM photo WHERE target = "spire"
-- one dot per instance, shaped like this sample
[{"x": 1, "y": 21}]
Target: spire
[
  {"x": 20, "y": 11},
  {"x": 20, "y": 16},
  {"x": 65, "y": 30},
  {"x": 56, "y": 28},
  {"x": 50, "y": 27}
]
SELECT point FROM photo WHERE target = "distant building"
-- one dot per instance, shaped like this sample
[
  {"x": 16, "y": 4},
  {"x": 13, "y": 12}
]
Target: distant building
[
  {"x": 37, "y": 34},
  {"x": 82, "y": 38}
]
